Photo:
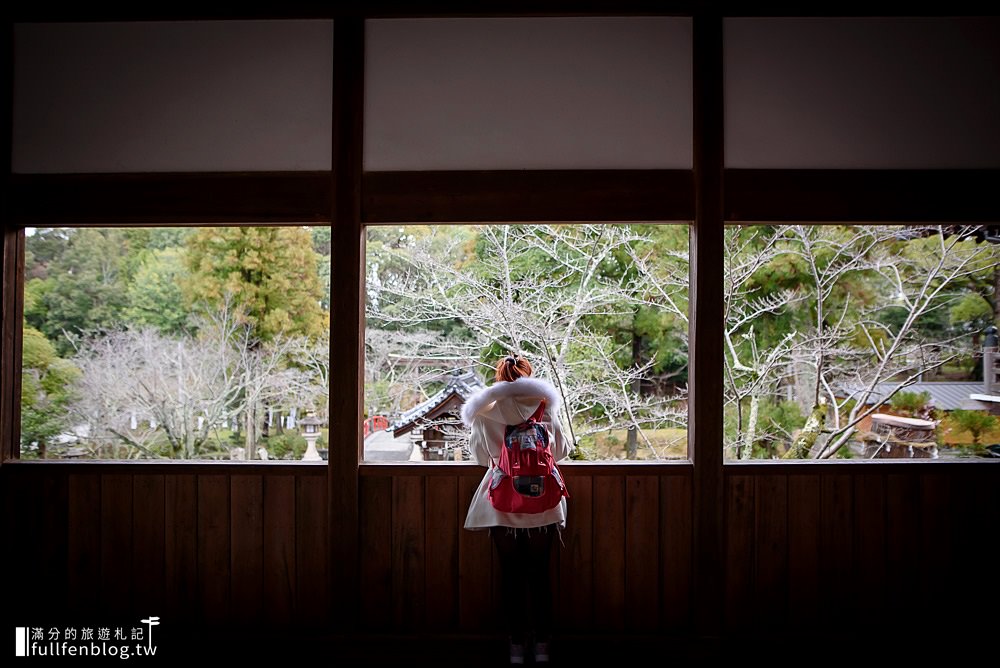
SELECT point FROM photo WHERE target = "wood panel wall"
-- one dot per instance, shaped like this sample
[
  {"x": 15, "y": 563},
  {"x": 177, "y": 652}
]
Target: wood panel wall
[
  {"x": 870, "y": 550},
  {"x": 903, "y": 555},
  {"x": 208, "y": 549},
  {"x": 229, "y": 548},
  {"x": 625, "y": 562}
]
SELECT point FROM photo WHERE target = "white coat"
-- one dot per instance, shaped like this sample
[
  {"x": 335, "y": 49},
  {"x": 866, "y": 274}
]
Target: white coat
[{"x": 487, "y": 414}]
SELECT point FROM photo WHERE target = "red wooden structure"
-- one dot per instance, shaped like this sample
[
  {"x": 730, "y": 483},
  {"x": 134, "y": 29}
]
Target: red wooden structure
[{"x": 375, "y": 423}]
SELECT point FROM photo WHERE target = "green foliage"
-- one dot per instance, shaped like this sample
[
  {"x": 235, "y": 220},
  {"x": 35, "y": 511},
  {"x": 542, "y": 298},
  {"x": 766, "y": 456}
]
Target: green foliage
[
  {"x": 974, "y": 422},
  {"x": 972, "y": 312},
  {"x": 46, "y": 390},
  {"x": 781, "y": 417},
  {"x": 84, "y": 289},
  {"x": 154, "y": 296},
  {"x": 269, "y": 272},
  {"x": 321, "y": 240},
  {"x": 42, "y": 248},
  {"x": 392, "y": 276},
  {"x": 776, "y": 421},
  {"x": 286, "y": 445},
  {"x": 910, "y": 403},
  {"x": 845, "y": 452}
]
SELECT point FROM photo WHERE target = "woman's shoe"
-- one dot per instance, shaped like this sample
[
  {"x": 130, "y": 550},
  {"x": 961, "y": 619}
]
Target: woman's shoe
[
  {"x": 541, "y": 651},
  {"x": 516, "y": 654}
]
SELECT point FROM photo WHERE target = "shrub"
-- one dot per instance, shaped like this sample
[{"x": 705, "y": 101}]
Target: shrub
[
  {"x": 974, "y": 422},
  {"x": 911, "y": 404},
  {"x": 287, "y": 445}
]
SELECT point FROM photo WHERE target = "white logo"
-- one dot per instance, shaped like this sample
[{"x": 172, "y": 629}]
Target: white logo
[{"x": 86, "y": 641}]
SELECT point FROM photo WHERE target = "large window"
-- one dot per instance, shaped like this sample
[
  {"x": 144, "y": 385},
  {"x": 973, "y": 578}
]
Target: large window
[
  {"x": 858, "y": 341},
  {"x": 600, "y": 310},
  {"x": 175, "y": 343},
  {"x": 211, "y": 343}
]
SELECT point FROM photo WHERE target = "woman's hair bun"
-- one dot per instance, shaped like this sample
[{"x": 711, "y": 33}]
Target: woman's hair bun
[{"x": 512, "y": 367}]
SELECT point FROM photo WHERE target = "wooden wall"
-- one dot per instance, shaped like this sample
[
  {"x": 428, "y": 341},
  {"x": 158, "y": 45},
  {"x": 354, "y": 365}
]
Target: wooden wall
[
  {"x": 872, "y": 549},
  {"x": 625, "y": 563},
  {"x": 904, "y": 553},
  {"x": 214, "y": 547}
]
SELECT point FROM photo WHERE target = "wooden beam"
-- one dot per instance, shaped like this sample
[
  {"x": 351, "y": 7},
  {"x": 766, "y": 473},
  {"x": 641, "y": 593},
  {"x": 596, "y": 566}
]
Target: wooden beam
[
  {"x": 752, "y": 195},
  {"x": 570, "y": 468},
  {"x": 705, "y": 329},
  {"x": 528, "y": 195},
  {"x": 833, "y": 196},
  {"x": 11, "y": 314},
  {"x": 378, "y": 8},
  {"x": 10, "y": 322},
  {"x": 824, "y": 196},
  {"x": 346, "y": 315},
  {"x": 49, "y": 200},
  {"x": 170, "y": 467},
  {"x": 462, "y": 8}
]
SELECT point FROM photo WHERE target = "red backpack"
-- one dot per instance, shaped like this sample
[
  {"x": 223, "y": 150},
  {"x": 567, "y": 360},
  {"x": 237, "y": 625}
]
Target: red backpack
[{"x": 526, "y": 480}]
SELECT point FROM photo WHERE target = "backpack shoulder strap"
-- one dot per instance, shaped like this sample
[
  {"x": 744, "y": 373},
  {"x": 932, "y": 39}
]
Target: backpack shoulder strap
[{"x": 539, "y": 412}]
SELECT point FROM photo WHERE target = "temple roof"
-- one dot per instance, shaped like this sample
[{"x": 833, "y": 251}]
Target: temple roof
[{"x": 461, "y": 385}]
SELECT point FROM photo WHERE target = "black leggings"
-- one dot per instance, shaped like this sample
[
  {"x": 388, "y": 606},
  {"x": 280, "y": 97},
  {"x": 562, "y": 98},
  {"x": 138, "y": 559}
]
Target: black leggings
[{"x": 526, "y": 584}]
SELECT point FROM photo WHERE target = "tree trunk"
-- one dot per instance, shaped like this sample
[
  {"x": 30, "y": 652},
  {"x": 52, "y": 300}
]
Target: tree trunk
[
  {"x": 806, "y": 439},
  {"x": 996, "y": 295},
  {"x": 188, "y": 436},
  {"x": 751, "y": 432},
  {"x": 250, "y": 435},
  {"x": 632, "y": 445},
  {"x": 42, "y": 448},
  {"x": 252, "y": 408}
]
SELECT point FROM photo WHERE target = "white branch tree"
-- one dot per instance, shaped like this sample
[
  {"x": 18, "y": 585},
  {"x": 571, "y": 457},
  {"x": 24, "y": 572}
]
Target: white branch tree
[
  {"x": 858, "y": 306},
  {"x": 139, "y": 388},
  {"x": 534, "y": 290}
]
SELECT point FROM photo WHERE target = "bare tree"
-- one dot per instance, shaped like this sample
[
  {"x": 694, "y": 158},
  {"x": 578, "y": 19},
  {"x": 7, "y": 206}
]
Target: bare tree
[
  {"x": 141, "y": 388},
  {"x": 535, "y": 290},
  {"x": 401, "y": 364},
  {"x": 308, "y": 383},
  {"x": 750, "y": 367},
  {"x": 138, "y": 387},
  {"x": 865, "y": 292},
  {"x": 914, "y": 281}
]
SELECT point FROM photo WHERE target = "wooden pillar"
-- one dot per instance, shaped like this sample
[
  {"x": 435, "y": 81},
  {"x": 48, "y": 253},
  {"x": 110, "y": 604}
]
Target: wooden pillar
[
  {"x": 11, "y": 272},
  {"x": 706, "y": 326},
  {"x": 346, "y": 318}
]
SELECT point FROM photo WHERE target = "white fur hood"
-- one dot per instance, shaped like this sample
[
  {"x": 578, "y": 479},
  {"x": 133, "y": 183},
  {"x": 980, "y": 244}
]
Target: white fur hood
[{"x": 483, "y": 401}]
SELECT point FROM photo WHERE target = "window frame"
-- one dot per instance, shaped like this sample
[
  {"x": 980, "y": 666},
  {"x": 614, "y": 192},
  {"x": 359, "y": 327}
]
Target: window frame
[{"x": 349, "y": 199}]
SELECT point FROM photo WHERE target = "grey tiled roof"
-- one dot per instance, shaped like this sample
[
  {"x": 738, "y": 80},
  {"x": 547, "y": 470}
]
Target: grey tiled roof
[
  {"x": 946, "y": 395},
  {"x": 460, "y": 383}
]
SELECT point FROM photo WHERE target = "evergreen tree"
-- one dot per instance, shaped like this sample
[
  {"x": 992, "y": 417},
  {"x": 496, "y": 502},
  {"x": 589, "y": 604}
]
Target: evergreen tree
[
  {"x": 46, "y": 381},
  {"x": 154, "y": 296},
  {"x": 268, "y": 272},
  {"x": 84, "y": 288}
]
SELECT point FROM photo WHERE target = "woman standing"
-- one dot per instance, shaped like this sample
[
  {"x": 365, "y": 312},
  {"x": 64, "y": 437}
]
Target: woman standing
[{"x": 523, "y": 540}]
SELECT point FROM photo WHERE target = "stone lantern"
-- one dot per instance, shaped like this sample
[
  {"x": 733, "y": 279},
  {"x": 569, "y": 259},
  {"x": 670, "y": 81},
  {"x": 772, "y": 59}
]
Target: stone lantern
[{"x": 310, "y": 431}]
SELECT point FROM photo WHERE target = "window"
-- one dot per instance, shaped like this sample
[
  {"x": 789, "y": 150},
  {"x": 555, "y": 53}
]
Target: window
[
  {"x": 600, "y": 310},
  {"x": 847, "y": 341},
  {"x": 175, "y": 343},
  {"x": 600, "y": 101}
]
